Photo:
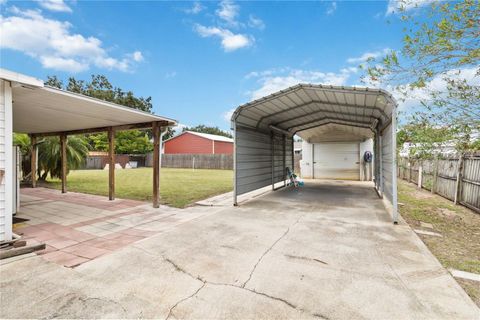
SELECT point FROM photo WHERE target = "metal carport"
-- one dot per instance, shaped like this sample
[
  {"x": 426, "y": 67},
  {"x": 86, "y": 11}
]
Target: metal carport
[{"x": 264, "y": 131}]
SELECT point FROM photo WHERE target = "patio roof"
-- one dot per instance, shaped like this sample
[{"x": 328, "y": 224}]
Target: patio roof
[
  {"x": 48, "y": 110},
  {"x": 39, "y": 109}
]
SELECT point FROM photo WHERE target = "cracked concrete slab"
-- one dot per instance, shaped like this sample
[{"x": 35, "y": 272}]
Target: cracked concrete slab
[{"x": 325, "y": 251}]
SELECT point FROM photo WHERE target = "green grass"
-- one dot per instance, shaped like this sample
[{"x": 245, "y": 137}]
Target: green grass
[{"x": 178, "y": 187}]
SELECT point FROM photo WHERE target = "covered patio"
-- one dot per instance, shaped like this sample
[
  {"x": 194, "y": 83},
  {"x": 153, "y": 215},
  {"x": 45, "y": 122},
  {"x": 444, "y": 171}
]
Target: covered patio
[{"x": 41, "y": 111}]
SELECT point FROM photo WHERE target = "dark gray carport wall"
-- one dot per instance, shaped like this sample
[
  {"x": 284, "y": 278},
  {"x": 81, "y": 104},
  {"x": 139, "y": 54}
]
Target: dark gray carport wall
[{"x": 264, "y": 131}]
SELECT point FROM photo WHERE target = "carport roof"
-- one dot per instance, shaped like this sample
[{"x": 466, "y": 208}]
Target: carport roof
[{"x": 310, "y": 110}]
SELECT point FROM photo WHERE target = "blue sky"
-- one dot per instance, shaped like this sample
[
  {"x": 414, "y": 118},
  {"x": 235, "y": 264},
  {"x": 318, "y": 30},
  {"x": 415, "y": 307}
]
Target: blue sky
[{"x": 198, "y": 60}]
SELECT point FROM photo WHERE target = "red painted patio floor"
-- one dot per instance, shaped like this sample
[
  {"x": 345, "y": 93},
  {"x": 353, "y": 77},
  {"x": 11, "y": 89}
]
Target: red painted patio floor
[{"x": 77, "y": 228}]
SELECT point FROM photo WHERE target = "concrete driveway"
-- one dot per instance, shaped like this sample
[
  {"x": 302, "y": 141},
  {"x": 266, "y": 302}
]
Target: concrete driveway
[{"x": 328, "y": 251}]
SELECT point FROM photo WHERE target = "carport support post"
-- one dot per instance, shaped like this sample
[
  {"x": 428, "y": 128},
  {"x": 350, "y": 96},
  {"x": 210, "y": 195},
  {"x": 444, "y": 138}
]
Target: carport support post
[
  {"x": 234, "y": 125},
  {"x": 33, "y": 160},
  {"x": 111, "y": 165},
  {"x": 394, "y": 166},
  {"x": 156, "y": 165},
  {"x": 293, "y": 157},
  {"x": 272, "y": 143},
  {"x": 284, "y": 160},
  {"x": 380, "y": 164},
  {"x": 63, "y": 148}
]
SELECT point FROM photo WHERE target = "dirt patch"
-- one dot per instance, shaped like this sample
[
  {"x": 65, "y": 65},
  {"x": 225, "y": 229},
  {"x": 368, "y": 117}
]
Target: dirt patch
[
  {"x": 422, "y": 194},
  {"x": 459, "y": 248},
  {"x": 448, "y": 214}
]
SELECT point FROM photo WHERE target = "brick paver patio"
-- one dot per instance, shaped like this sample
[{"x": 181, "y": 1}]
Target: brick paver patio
[{"x": 77, "y": 228}]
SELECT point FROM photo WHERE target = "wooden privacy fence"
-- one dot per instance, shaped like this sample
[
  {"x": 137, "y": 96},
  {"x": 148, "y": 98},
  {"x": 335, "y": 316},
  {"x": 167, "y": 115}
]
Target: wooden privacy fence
[
  {"x": 457, "y": 179},
  {"x": 197, "y": 161}
]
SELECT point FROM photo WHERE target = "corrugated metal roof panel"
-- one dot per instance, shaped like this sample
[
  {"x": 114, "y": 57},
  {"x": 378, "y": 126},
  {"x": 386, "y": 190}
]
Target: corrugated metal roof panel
[{"x": 306, "y": 103}]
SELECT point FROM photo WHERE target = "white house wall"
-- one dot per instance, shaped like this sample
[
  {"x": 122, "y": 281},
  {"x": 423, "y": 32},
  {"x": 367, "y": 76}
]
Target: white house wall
[
  {"x": 6, "y": 164},
  {"x": 306, "y": 164},
  {"x": 366, "y": 169}
]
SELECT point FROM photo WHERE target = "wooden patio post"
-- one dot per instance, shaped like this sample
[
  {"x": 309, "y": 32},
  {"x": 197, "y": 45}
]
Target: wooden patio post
[
  {"x": 111, "y": 165},
  {"x": 63, "y": 148},
  {"x": 33, "y": 160},
  {"x": 156, "y": 164}
]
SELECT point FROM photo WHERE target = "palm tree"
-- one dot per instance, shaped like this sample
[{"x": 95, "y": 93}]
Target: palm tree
[
  {"x": 23, "y": 141},
  {"x": 49, "y": 156}
]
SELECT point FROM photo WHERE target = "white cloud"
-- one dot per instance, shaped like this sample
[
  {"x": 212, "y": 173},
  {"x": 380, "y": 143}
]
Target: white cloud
[
  {"x": 53, "y": 44},
  {"x": 368, "y": 56},
  {"x": 227, "y": 25},
  {"x": 170, "y": 75},
  {"x": 227, "y": 115},
  {"x": 332, "y": 8},
  {"x": 409, "y": 99},
  {"x": 137, "y": 56},
  {"x": 195, "y": 9},
  {"x": 437, "y": 84},
  {"x": 54, "y": 5},
  {"x": 255, "y": 22},
  {"x": 63, "y": 64},
  {"x": 396, "y": 6},
  {"x": 228, "y": 12},
  {"x": 230, "y": 41},
  {"x": 278, "y": 79},
  {"x": 179, "y": 128}
]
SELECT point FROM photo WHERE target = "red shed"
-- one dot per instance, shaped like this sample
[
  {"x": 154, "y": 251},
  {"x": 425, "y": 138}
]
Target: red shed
[{"x": 190, "y": 142}]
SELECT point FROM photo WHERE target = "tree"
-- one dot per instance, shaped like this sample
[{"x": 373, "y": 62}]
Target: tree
[
  {"x": 210, "y": 130},
  {"x": 49, "y": 155},
  {"x": 439, "y": 65},
  {"x": 126, "y": 142},
  {"x": 100, "y": 87},
  {"x": 53, "y": 81},
  {"x": 427, "y": 140},
  {"x": 23, "y": 141},
  {"x": 170, "y": 133}
]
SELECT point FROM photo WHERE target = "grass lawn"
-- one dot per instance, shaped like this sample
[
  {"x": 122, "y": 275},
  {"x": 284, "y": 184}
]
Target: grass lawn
[
  {"x": 178, "y": 187},
  {"x": 459, "y": 248}
]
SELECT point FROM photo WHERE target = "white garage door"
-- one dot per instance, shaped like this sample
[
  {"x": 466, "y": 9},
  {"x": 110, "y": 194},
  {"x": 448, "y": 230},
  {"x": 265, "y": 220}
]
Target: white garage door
[{"x": 336, "y": 161}]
